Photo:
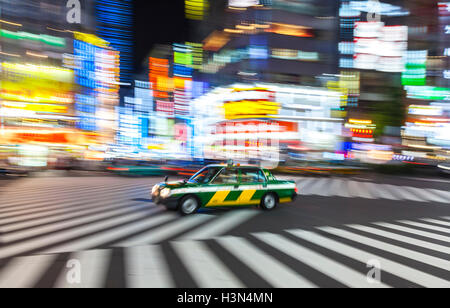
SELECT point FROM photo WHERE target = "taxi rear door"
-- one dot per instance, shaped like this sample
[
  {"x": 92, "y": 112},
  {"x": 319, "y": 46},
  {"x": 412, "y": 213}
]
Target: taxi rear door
[{"x": 253, "y": 185}]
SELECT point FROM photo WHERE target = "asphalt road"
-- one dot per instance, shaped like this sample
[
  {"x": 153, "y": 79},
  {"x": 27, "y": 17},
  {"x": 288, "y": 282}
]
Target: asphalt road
[{"x": 336, "y": 234}]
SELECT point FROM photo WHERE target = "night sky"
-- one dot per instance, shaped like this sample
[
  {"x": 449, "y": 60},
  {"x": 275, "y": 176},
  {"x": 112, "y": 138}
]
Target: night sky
[{"x": 157, "y": 22}]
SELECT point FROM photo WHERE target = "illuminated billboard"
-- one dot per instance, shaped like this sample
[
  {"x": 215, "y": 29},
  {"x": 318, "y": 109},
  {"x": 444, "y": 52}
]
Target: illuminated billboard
[
  {"x": 36, "y": 83},
  {"x": 379, "y": 47},
  {"x": 242, "y": 3}
]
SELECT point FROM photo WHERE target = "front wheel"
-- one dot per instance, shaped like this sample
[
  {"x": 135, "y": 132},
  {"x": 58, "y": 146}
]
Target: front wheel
[
  {"x": 189, "y": 205},
  {"x": 269, "y": 202}
]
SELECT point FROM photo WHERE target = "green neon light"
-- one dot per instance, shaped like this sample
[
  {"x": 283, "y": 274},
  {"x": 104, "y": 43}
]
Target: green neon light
[
  {"x": 46, "y": 39},
  {"x": 428, "y": 93}
]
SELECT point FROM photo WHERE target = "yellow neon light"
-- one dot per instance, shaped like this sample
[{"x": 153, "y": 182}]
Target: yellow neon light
[
  {"x": 36, "y": 55},
  {"x": 91, "y": 39},
  {"x": 356, "y": 121},
  {"x": 10, "y": 23},
  {"x": 37, "y": 107}
]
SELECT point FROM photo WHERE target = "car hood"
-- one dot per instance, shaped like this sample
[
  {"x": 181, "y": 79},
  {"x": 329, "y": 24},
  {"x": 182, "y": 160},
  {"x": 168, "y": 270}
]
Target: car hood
[{"x": 177, "y": 184}]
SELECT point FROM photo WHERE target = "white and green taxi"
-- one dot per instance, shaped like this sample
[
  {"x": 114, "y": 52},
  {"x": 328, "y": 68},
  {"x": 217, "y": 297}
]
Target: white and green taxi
[{"x": 225, "y": 186}]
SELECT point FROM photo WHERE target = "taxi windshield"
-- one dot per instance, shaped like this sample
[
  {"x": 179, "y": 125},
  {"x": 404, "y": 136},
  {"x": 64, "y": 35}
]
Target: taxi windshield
[{"x": 204, "y": 176}]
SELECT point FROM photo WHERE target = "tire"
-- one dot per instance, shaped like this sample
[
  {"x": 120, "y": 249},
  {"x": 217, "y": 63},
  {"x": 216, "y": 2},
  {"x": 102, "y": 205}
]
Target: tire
[
  {"x": 269, "y": 202},
  {"x": 189, "y": 205}
]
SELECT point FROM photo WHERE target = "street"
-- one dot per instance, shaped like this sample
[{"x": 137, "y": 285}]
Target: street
[{"x": 328, "y": 237}]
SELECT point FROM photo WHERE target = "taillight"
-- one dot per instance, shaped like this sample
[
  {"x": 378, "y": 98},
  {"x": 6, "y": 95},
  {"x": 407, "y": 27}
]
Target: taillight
[{"x": 296, "y": 190}]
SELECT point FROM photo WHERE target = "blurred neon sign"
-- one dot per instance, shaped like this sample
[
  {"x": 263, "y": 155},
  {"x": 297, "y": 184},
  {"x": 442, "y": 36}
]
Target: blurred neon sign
[
  {"x": 196, "y": 9},
  {"x": 91, "y": 39},
  {"x": 290, "y": 30},
  {"x": 43, "y": 38}
]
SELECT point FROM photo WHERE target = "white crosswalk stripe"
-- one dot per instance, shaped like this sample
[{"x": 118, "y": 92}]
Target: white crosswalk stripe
[
  {"x": 437, "y": 222},
  {"x": 425, "y": 226},
  {"x": 328, "y": 187},
  {"x": 304, "y": 185},
  {"x": 221, "y": 225},
  {"x": 275, "y": 272},
  {"x": 23, "y": 202},
  {"x": 54, "y": 227},
  {"x": 43, "y": 209},
  {"x": 360, "y": 189},
  {"x": 93, "y": 267},
  {"x": 415, "y": 231},
  {"x": 320, "y": 188},
  {"x": 401, "y": 238},
  {"x": 426, "y": 194},
  {"x": 344, "y": 190},
  {"x": 395, "y": 268},
  {"x": 444, "y": 194},
  {"x": 24, "y": 272},
  {"x": 401, "y": 193},
  {"x": 112, "y": 235},
  {"x": 380, "y": 192},
  {"x": 165, "y": 232},
  {"x": 64, "y": 236},
  {"x": 56, "y": 218},
  {"x": 333, "y": 269},
  {"x": 207, "y": 269},
  {"x": 146, "y": 267},
  {"x": 406, "y": 253}
]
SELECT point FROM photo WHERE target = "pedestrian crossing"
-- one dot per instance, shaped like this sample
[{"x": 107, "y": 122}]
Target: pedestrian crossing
[
  {"x": 88, "y": 215},
  {"x": 345, "y": 188},
  {"x": 315, "y": 257},
  {"x": 51, "y": 216}
]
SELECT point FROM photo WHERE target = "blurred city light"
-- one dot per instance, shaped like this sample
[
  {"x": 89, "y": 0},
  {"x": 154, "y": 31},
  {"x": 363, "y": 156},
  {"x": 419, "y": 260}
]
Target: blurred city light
[{"x": 292, "y": 82}]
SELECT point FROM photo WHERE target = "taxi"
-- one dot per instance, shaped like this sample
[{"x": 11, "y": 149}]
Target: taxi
[{"x": 225, "y": 186}]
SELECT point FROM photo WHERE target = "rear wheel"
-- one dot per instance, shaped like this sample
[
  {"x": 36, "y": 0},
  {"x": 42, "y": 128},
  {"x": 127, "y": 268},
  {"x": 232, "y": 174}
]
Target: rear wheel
[
  {"x": 189, "y": 205},
  {"x": 269, "y": 202}
]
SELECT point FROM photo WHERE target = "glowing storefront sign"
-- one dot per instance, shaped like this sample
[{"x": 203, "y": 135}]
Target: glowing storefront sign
[
  {"x": 379, "y": 47},
  {"x": 36, "y": 83},
  {"x": 290, "y": 30},
  {"x": 40, "y": 108},
  {"x": 196, "y": 9},
  {"x": 425, "y": 110},
  {"x": 444, "y": 8},
  {"x": 242, "y": 3},
  {"x": 428, "y": 93},
  {"x": 249, "y": 109}
]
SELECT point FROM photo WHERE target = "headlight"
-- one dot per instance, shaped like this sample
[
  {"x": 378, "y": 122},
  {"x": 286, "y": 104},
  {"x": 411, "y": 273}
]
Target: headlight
[
  {"x": 155, "y": 189},
  {"x": 165, "y": 193}
]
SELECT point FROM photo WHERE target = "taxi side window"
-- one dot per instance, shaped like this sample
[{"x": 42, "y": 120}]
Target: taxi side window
[
  {"x": 227, "y": 176},
  {"x": 252, "y": 176}
]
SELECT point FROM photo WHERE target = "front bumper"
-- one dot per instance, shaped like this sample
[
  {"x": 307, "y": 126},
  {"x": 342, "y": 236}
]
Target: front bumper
[{"x": 171, "y": 202}]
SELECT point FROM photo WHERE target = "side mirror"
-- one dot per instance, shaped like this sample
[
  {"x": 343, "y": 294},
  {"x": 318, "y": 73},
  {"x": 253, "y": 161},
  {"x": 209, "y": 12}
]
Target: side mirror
[{"x": 166, "y": 179}]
